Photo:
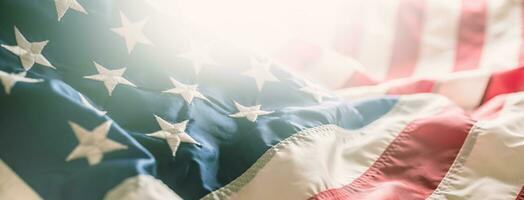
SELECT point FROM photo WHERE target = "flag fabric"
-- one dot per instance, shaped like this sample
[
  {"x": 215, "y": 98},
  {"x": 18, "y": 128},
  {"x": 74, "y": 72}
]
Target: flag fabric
[
  {"x": 469, "y": 52},
  {"x": 381, "y": 40},
  {"x": 116, "y": 100},
  {"x": 95, "y": 107}
]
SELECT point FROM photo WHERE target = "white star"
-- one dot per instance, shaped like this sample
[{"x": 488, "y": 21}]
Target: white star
[
  {"x": 188, "y": 92},
  {"x": 111, "y": 78},
  {"x": 90, "y": 106},
  {"x": 10, "y": 79},
  {"x": 63, "y": 5},
  {"x": 29, "y": 52},
  {"x": 251, "y": 113},
  {"x": 132, "y": 32},
  {"x": 93, "y": 144},
  {"x": 174, "y": 134},
  {"x": 200, "y": 55},
  {"x": 315, "y": 91},
  {"x": 260, "y": 71}
]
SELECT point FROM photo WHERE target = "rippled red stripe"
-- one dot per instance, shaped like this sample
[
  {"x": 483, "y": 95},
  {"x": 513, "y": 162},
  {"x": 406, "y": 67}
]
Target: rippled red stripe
[
  {"x": 413, "y": 165},
  {"x": 471, "y": 33},
  {"x": 407, "y": 39},
  {"x": 504, "y": 82}
]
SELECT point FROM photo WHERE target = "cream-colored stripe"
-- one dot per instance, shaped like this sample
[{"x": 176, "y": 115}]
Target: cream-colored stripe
[
  {"x": 503, "y": 34},
  {"x": 13, "y": 187},
  {"x": 373, "y": 91},
  {"x": 438, "y": 38},
  {"x": 363, "y": 92},
  {"x": 325, "y": 157},
  {"x": 513, "y": 103},
  {"x": 489, "y": 165},
  {"x": 141, "y": 187},
  {"x": 465, "y": 88},
  {"x": 376, "y": 42}
]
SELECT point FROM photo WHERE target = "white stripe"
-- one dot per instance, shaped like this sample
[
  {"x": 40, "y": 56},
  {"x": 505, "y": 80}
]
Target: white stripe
[
  {"x": 141, "y": 187},
  {"x": 489, "y": 165},
  {"x": 326, "y": 157},
  {"x": 466, "y": 89},
  {"x": 13, "y": 187},
  {"x": 503, "y": 34},
  {"x": 438, "y": 38},
  {"x": 376, "y": 42},
  {"x": 363, "y": 92},
  {"x": 513, "y": 103},
  {"x": 374, "y": 91}
]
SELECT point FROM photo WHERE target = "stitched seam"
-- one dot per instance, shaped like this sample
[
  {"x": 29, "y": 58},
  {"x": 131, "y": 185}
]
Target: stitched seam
[
  {"x": 245, "y": 178},
  {"x": 458, "y": 165},
  {"x": 237, "y": 184},
  {"x": 383, "y": 160},
  {"x": 520, "y": 195}
]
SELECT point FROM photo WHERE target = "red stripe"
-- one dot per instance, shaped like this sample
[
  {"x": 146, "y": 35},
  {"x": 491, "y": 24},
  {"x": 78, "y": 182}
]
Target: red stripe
[
  {"x": 407, "y": 38},
  {"x": 520, "y": 196},
  {"x": 359, "y": 79},
  {"x": 413, "y": 87},
  {"x": 471, "y": 33},
  {"x": 504, "y": 82},
  {"x": 413, "y": 165}
]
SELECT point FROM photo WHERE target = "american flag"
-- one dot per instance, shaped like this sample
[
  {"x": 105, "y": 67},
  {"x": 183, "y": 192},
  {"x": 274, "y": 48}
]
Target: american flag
[
  {"x": 120, "y": 100},
  {"x": 381, "y": 40}
]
